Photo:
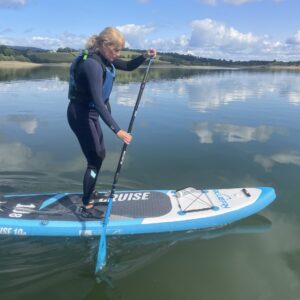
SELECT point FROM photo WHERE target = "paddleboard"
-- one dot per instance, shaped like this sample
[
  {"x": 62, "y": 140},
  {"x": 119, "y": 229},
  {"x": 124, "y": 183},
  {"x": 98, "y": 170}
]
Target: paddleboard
[{"x": 133, "y": 212}]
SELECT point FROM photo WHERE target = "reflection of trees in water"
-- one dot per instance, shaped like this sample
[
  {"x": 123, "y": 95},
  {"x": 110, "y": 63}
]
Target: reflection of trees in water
[
  {"x": 44, "y": 72},
  {"x": 159, "y": 73},
  {"x": 62, "y": 73}
]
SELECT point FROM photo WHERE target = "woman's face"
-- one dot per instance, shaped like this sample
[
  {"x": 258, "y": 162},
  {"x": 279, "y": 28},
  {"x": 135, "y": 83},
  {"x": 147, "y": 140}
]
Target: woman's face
[{"x": 110, "y": 52}]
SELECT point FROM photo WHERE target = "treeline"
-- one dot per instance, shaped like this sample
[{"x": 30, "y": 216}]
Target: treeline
[
  {"x": 191, "y": 60},
  {"x": 36, "y": 55},
  {"x": 66, "y": 55}
]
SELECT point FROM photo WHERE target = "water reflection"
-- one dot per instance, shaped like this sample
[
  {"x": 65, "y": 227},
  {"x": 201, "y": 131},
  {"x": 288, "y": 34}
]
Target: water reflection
[
  {"x": 268, "y": 162},
  {"x": 34, "y": 73},
  {"x": 25, "y": 169},
  {"x": 35, "y": 267},
  {"x": 28, "y": 123},
  {"x": 62, "y": 73},
  {"x": 43, "y": 268},
  {"x": 195, "y": 128},
  {"x": 234, "y": 133},
  {"x": 294, "y": 97},
  {"x": 203, "y": 89}
]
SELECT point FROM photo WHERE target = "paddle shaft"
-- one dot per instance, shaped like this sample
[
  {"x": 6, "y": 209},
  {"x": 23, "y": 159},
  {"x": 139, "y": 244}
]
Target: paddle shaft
[
  {"x": 102, "y": 244},
  {"x": 133, "y": 116}
]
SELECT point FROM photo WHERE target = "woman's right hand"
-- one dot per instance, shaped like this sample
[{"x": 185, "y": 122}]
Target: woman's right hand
[{"x": 125, "y": 136}]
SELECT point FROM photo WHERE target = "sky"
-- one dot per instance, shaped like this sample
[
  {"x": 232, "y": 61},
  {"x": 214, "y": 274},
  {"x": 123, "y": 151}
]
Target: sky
[{"x": 221, "y": 29}]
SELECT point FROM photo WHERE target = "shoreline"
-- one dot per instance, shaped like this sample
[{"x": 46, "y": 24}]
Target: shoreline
[
  {"x": 21, "y": 64},
  {"x": 24, "y": 64},
  {"x": 17, "y": 64}
]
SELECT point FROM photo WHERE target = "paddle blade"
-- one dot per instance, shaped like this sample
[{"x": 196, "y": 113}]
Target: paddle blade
[{"x": 101, "y": 257}]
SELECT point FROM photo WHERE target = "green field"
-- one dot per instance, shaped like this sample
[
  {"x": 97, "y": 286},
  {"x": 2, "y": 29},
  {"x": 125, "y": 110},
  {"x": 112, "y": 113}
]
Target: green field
[{"x": 66, "y": 55}]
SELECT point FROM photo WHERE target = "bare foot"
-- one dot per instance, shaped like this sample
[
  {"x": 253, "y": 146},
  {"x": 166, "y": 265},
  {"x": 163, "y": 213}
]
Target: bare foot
[{"x": 89, "y": 206}]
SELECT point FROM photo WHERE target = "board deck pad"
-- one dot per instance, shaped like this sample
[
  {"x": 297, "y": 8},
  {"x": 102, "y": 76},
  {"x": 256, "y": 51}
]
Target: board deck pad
[
  {"x": 132, "y": 212},
  {"x": 67, "y": 206}
]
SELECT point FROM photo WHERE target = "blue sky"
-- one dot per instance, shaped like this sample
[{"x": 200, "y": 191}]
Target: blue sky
[{"x": 223, "y": 29}]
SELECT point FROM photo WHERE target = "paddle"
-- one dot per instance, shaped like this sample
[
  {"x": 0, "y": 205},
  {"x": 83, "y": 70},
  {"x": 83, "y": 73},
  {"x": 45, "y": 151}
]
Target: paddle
[{"x": 101, "y": 257}]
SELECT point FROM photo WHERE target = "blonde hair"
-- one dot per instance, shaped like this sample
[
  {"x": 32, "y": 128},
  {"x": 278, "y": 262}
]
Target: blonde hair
[{"x": 110, "y": 36}]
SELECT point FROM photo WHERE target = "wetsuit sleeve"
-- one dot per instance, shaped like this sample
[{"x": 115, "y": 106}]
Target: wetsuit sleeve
[
  {"x": 130, "y": 64},
  {"x": 94, "y": 77}
]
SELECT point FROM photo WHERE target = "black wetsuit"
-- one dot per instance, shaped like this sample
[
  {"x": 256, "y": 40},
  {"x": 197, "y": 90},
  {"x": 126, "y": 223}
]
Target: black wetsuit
[{"x": 86, "y": 104}]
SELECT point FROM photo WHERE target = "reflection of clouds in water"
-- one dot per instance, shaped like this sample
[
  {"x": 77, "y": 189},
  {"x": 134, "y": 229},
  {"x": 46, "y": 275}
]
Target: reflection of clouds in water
[
  {"x": 126, "y": 95},
  {"x": 42, "y": 86},
  {"x": 204, "y": 133},
  {"x": 244, "y": 134},
  {"x": 35, "y": 97},
  {"x": 245, "y": 266},
  {"x": 18, "y": 157},
  {"x": 207, "y": 91},
  {"x": 294, "y": 97},
  {"x": 163, "y": 90},
  {"x": 283, "y": 242},
  {"x": 290, "y": 88},
  {"x": 267, "y": 162},
  {"x": 28, "y": 123},
  {"x": 234, "y": 133},
  {"x": 273, "y": 250},
  {"x": 204, "y": 92}
]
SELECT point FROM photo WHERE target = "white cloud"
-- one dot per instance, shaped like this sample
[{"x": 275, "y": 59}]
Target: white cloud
[
  {"x": 12, "y": 4},
  {"x": 212, "y": 34},
  {"x": 206, "y": 38},
  {"x": 171, "y": 45},
  {"x": 295, "y": 39},
  {"x": 135, "y": 35},
  {"x": 47, "y": 42},
  {"x": 210, "y": 38},
  {"x": 213, "y": 39}
]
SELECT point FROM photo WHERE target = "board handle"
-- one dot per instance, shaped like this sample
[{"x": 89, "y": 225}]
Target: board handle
[{"x": 246, "y": 193}]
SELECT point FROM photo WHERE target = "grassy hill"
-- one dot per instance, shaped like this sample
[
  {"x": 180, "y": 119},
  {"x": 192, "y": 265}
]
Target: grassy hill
[{"x": 66, "y": 55}]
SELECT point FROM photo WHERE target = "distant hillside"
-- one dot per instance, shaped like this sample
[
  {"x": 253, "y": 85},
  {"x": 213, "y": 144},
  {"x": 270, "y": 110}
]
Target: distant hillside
[
  {"x": 66, "y": 55},
  {"x": 24, "y": 48},
  {"x": 35, "y": 55}
]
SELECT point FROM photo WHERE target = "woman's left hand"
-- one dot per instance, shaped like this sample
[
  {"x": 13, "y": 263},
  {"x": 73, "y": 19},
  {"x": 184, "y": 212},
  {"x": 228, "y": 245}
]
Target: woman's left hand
[
  {"x": 150, "y": 53},
  {"x": 125, "y": 136}
]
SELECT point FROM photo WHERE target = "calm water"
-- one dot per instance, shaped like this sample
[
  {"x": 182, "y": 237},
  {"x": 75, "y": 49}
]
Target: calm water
[{"x": 205, "y": 129}]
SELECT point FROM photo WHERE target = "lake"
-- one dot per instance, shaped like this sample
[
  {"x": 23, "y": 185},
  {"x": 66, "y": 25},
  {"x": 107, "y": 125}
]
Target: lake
[{"x": 200, "y": 128}]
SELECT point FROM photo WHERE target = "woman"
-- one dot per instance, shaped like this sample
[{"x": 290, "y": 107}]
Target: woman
[{"x": 91, "y": 79}]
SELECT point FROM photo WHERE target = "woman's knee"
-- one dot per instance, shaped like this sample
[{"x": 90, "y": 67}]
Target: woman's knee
[{"x": 95, "y": 159}]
